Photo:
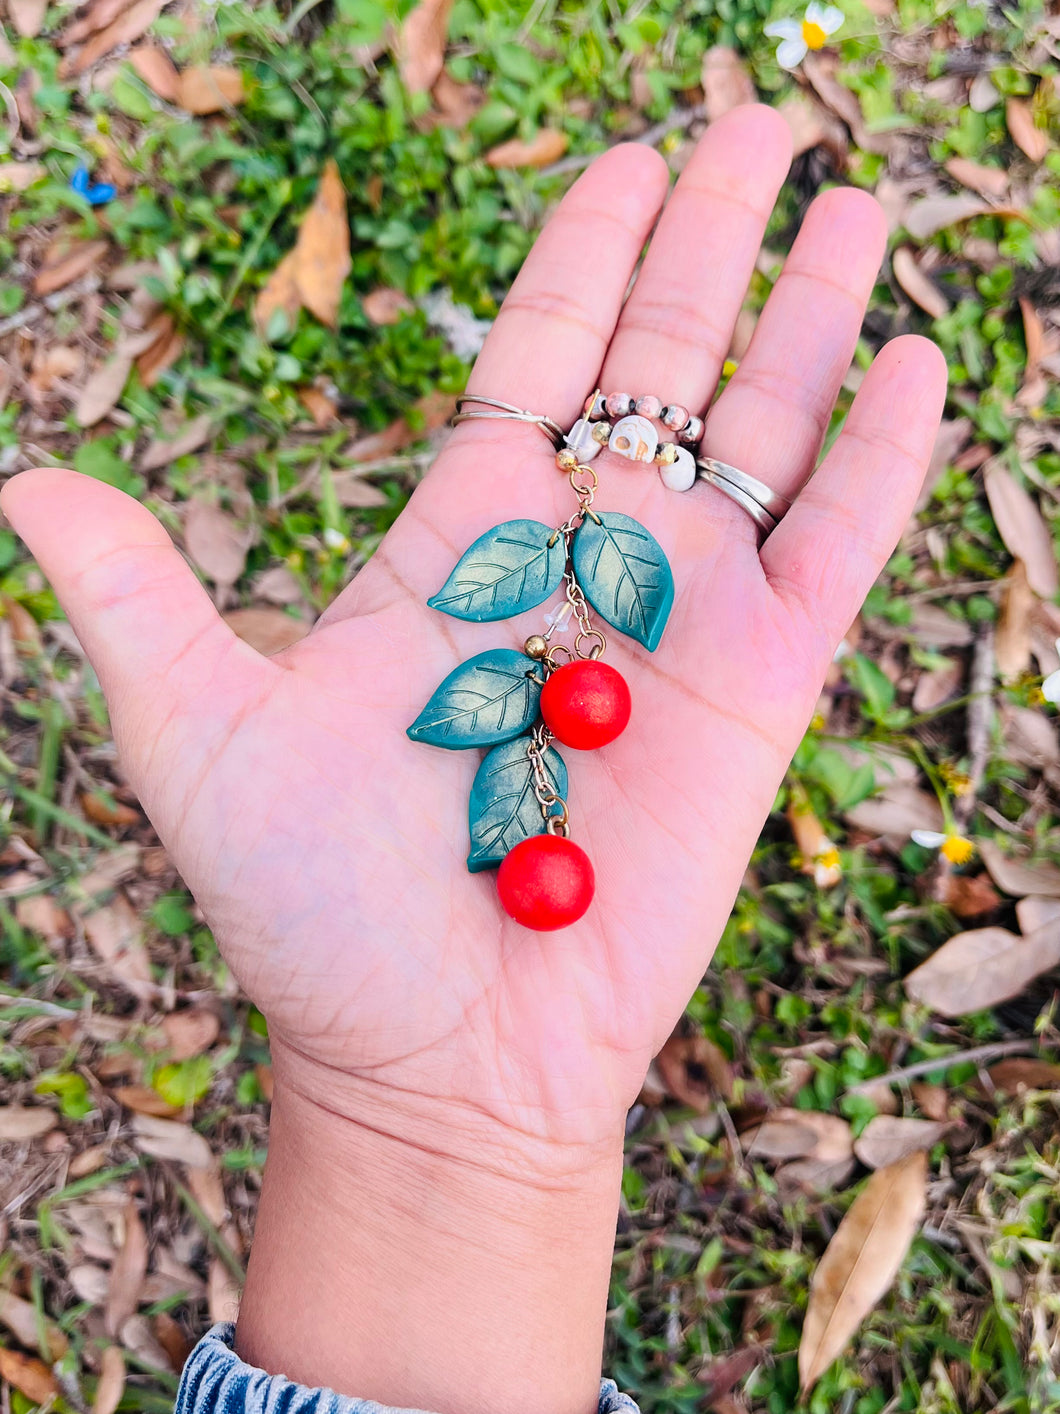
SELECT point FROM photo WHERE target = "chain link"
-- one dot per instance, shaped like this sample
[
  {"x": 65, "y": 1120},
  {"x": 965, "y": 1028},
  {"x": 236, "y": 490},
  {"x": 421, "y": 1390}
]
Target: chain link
[{"x": 556, "y": 821}]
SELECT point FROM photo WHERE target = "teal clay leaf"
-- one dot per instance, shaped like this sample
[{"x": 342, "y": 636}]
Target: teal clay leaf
[
  {"x": 491, "y": 698},
  {"x": 625, "y": 575},
  {"x": 503, "y": 810},
  {"x": 511, "y": 568}
]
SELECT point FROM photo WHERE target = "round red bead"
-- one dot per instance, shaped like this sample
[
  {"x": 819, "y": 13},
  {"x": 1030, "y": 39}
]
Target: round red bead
[
  {"x": 586, "y": 704},
  {"x": 546, "y": 882}
]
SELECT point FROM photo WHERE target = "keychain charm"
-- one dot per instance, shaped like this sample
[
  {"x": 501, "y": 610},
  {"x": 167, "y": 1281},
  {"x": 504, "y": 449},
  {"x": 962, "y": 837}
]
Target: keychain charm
[{"x": 519, "y": 702}]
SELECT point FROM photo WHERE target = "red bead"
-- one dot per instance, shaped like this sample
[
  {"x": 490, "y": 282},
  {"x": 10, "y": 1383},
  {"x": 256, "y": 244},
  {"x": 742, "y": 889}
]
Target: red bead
[
  {"x": 546, "y": 882},
  {"x": 586, "y": 704}
]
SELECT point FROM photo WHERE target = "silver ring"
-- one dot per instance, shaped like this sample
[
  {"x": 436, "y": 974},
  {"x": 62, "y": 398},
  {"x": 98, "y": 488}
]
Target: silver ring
[
  {"x": 765, "y": 506},
  {"x": 552, "y": 430}
]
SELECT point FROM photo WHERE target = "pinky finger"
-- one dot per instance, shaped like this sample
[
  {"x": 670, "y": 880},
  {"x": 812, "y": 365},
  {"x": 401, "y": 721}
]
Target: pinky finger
[{"x": 845, "y": 523}]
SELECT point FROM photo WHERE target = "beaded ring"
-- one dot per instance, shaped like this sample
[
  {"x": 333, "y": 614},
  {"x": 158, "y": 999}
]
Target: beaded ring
[{"x": 625, "y": 425}]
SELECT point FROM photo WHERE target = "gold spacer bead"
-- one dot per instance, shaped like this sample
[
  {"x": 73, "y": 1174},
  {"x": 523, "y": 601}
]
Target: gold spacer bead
[
  {"x": 666, "y": 454},
  {"x": 566, "y": 460},
  {"x": 535, "y": 646}
]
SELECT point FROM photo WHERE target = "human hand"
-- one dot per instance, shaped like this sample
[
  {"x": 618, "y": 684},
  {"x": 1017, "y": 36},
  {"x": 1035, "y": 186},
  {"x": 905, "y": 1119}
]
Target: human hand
[{"x": 327, "y": 851}]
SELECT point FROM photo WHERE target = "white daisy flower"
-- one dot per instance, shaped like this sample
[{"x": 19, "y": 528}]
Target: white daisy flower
[
  {"x": 797, "y": 37},
  {"x": 1051, "y": 685},
  {"x": 951, "y": 846}
]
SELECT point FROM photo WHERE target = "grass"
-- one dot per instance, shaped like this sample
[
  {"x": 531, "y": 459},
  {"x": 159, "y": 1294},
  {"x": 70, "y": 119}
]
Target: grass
[{"x": 805, "y": 999}]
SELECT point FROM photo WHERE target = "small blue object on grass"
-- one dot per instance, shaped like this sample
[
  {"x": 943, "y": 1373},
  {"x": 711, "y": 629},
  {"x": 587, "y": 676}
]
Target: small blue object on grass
[{"x": 95, "y": 193}]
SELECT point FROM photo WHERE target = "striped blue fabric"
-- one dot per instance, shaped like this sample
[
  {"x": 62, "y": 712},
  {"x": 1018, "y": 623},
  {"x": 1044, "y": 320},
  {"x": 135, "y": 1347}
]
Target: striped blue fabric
[{"x": 216, "y": 1381}]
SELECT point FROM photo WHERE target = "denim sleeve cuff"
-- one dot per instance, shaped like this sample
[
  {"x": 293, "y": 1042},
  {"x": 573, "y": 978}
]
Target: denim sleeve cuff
[{"x": 216, "y": 1381}]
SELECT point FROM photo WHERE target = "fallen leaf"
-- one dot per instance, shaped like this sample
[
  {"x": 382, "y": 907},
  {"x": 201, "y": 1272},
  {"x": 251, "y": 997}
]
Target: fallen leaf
[
  {"x": 41, "y": 914},
  {"x": 170, "y": 1336},
  {"x": 103, "y": 389},
  {"x": 96, "y": 16},
  {"x": 933, "y": 627},
  {"x": 1019, "y": 876},
  {"x": 981, "y": 968},
  {"x": 895, "y": 811},
  {"x": 726, "y": 81},
  {"x": 695, "y": 1071},
  {"x": 19, "y": 1123},
  {"x": 69, "y": 262},
  {"x": 968, "y": 895},
  {"x": 102, "y": 811},
  {"x": 1034, "y": 912},
  {"x": 190, "y": 1033},
  {"x": 1024, "y": 1073},
  {"x": 157, "y": 70},
  {"x": 159, "y": 452},
  {"x": 987, "y": 181},
  {"x": 279, "y": 292},
  {"x": 115, "y": 934},
  {"x": 205, "y": 89},
  {"x": 421, "y": 44},
  {"x": 278, "y": 585},
  {"x": 89, "y": 1160},
  {"x": 432, "y": 412},
  {"x": 1012, "y": 638},
  {"x": 938, "y": 685},
  {"x": 934, "y": 213},
  {"x": 886, "y": 1139},
  {"x": 166, "y": 1139},
  {"x": 932, "y": 1099},
  {"x": 20, "y": 1317},
  {"x": 128, "y": 26},
  {"x": 140, "y": 1341},
  {"x": 796, "y": 1134},
  {"x": 127, "y": 1274},
  {"x": 982, "y": 94},
  {"x": 547, "y": 145},
  {"x": 1032, "y": 140},
  {"x": 266, "y": 630},
  {"x": 322, "y": 251},
  {"x": 813, "y": 126},
  {"x": 27, "y": 16},
  {"x": 18, "y": 176},
  {"x": 318, "y": 405},
  {"x": 820, "y": 69},
  {"x": 29, "y": 1375},
  {"x": 142, "y": 1100},
  {"x": 111, "y": 1384},
  {"x": 1022, "y": 528},
  {"x": 919, "y": 287},
  {"x": 208, "y": 1191},
  {"x": 54, "y": 364},
  {"x": 455, "y": 104},
  {"x": 1034, "y": 385},
  {"x": 163, "y": 352},
  {"x": 861, "y": 1262},
  {"x": 386, "y": 306},
  {"x": 266, "y": 1081},
  {"x": 216, "y": 542},
  {"x": 351, "y": 490}
]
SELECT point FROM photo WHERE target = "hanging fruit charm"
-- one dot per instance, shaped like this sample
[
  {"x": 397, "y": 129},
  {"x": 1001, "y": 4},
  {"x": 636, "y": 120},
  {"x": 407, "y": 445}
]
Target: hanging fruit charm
[{"x": 519, "y": 703}]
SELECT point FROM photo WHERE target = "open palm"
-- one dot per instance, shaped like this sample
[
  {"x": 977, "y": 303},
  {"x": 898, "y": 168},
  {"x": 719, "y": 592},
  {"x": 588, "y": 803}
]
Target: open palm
[{"x": 327, "y": 850}]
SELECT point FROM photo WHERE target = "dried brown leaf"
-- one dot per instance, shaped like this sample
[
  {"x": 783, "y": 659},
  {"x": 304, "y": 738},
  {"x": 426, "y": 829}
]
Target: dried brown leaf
[
  {"x": 861, "y": 1262},
  {"x": 968, "y": 895},
  {"x": 278, "y": 585},
  {"x": 695, "y": 1071},
  {"x": 318, "y": 405},
  {"x": 18, "y": 176},
  {"x": 95, "y": 16},
  {"x": 266, "y": 630},
  {"x": 981, "y": 968},
  {"x": 111, "y": 1384},
  {"x": 103, "y": 389},
  {"x": 934, "y": 213},
  {"x": 208, "y": 1191},
  {"x": 1019, "y": 876},
  {"x": 937, "y": 685},
  {"x": 216, "y": 542},
  {"x": 280, "y": 291},
  {"x": 190, "y": 1033},
  {"x": 157, "y": 70},
  {"x": 798, "y": 1134},
  {"x": 820, "y": 69},
  {"x": 29, "y": 1375},
  {"x": 353, "y": 491},
  {"x": 421, "y": 44},
  {"x": 1032, "y": 140},
  {"x": 142, "y": 1100},
  {"x": 115, "y": 934},
  {"x": 813, "y": 126},
  {"x": 178, "y": 1143},
  {"x": 127, "y": 1274},
  {"x": 210, "y": 89},
  {"x": 20, "y": 1123},
  {"x": 547, "y": 145},
  {"x": 896, "y": 811},
  {"x": 455, "y": 104},
  {"x": 1022, "y": 528},
  {"x": 726, "y": 81},
  {"x": 41, "y": 914},
  {"x": 89, "y": 1160},
  {"x": 66, "y": 263},
  {"x": 433, "y": 411},
  {"x": 1012, "y": 639},
  {"x": 27, "y": 16},
  {"x": 163, "y": 352},
  {"x": 987, "y": 181},
  {"x": 128, "y": 26},
  {"x": 322, "y": 251},
  {"x": 888, "y": 1138},
  {"x": 170, "y": 1336},
  {"x": 1034, "y": 912},
  {"x": 386, "y": 306},
  {"x": 20, "y": 1317},
  {"x": 1024, "y": 1073},
  {"x": 932, "y": 1099},
  {"x": 920, "y": 288},
  {"x": 160, "y": 452}
]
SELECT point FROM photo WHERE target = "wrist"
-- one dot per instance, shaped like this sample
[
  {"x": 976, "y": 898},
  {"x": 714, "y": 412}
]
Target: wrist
[{"x": 452, "y": 1267}]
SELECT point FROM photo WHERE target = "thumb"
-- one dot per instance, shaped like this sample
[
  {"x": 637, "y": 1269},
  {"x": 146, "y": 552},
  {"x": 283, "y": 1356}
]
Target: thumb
[{"x": 146, "y": 623}]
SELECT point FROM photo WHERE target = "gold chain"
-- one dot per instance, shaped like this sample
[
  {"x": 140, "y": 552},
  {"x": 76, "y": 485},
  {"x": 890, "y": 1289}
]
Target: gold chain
[{"x": 556, "y": 822}]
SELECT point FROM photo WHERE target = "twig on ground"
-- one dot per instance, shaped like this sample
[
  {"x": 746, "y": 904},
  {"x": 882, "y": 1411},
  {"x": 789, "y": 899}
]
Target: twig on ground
[{"x": 994, "y": 1051}]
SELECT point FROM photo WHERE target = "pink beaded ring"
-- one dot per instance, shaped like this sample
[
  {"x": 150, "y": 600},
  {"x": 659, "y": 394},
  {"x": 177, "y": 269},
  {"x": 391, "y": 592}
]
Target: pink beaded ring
[{"x": 625, "y": 425}]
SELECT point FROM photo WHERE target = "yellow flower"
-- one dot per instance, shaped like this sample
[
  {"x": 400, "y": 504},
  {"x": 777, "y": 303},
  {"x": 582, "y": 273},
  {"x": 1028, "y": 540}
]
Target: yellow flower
[
  {"x": 827, "y": 869},
  {"x": 950, "y": 845},
  {"x": 797, "y": 37}
]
